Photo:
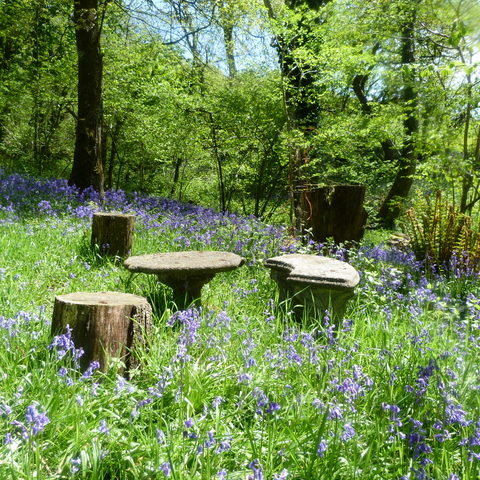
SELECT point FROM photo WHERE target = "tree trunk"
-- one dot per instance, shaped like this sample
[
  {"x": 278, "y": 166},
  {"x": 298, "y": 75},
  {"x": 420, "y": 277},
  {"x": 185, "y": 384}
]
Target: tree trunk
[
  {"x": 229, "y": 48},
  {"x": 391, "y": 207},
  {"x": 302, "y": 108},
  {"x": 104, "y": 324},
  {"x": 114, "y": 134},
  {"x": 87, "y": 170},
  {"x": 336, "y": 212},
  {"x": 113, "y": 233},
  {"x": 176, "y": 175}
]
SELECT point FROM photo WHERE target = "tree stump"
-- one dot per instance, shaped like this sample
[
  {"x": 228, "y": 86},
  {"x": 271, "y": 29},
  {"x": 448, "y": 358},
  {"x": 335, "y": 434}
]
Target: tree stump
[
  {"x": 113, "y": 232},
  {"x": 104, "y": 324},
  {"x": 336, "y": 212}
]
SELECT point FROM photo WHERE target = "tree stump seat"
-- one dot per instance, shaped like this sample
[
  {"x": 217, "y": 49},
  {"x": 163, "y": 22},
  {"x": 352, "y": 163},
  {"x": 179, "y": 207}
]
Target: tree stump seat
[
  {"x": 112, "y": 232},
  {"x": 185, "y": 272},
  {"x": 314, "y": 283},
  {"x": 104, "y": 324}
]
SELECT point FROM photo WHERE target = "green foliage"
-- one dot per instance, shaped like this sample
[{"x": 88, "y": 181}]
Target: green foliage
[
  {"x": 442, "y": 236},
  {"x": 394, "y": 388},
  {"x": 177, "y": 125},
  {"x": 37, "y": 77}
]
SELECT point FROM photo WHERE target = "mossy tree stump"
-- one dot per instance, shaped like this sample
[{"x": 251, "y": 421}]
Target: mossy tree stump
[
  {"x": 104, "y": 324},
  {"x": 113, "y": 232}
]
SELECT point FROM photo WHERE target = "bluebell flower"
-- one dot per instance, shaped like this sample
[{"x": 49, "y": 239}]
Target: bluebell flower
[
  {"x": 223, "y": 446},
  {"x": 36, "y": 419},
  {"x": 322, "y": 447},
  {"x": 166, "y": 468},
  {"x": 103, "y": 428},
  {"x": 210, "y": 442},
  {"x": 89, "y": 371},
  {"x": 256, "y": 468},
  {"x": 5, "y": 409},
  {"x": 75, "y": 464},
  {"x": 348, "y": 432},
  {"x": 272, "y": 407},
  {"x": 63, "y": 344},
  {"x": 160, "y": 436},
  {"x": 282, "y": 475}
]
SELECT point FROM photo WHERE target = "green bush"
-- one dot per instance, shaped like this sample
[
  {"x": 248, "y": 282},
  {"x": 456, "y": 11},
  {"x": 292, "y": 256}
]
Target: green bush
[{"x": 442, "y": 236}]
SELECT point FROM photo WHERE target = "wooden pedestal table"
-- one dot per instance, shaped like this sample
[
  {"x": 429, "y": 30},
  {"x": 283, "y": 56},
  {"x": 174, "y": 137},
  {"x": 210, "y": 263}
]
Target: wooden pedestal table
[
  {"x": 185, "y": 272},
  {"x": 104, "y": 324},
  {"x": 314, "y": 283}
]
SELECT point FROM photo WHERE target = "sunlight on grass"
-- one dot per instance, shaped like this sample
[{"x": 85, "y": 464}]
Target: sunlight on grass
[{"x": 238, "y": 389}]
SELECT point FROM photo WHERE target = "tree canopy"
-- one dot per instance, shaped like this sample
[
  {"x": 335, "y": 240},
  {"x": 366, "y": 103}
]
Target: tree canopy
[{"x": 244, "y": 105}]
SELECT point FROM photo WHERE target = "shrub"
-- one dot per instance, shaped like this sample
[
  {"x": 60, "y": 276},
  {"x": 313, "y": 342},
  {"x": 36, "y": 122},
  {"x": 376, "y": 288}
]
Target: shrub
[{"x": 443, "y": 237}]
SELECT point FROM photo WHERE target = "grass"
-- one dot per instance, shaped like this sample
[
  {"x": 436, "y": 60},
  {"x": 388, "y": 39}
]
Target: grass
[{"x": 240, "y": 389}]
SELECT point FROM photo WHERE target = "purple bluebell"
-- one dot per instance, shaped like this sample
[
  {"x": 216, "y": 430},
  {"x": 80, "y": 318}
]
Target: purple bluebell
[
  {"x": 103, "y": 427},
  {"x": 75, "y": 464},
  {"x": 256, "y": 468},
  {"x": 35, "y": 418},
  {"x": 322, "y": 448},
  {"x": 90, "y": 370},
  {"x": 166, "y": 468},
  {"x": 283, "y": 475}
]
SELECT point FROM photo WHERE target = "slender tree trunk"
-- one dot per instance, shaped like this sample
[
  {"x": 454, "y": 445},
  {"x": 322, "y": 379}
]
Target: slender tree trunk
[
  {"x": 176, "y": 175},
  {"x": 467, "y": 180},
  {"x": 302, "y": 108},
  {"x": 229, "y": 49},
  {"x": 87, "y": 170},
  {"x": 391, "y": 207},
  {"x": 390, "y": 153}
]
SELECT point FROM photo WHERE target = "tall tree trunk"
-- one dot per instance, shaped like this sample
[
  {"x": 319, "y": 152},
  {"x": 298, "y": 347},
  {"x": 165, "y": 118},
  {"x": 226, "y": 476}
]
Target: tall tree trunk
[
  {"x": 391, "y": 207},
  {"x": 176, "y": 175},
  {"x": 229, "y": 48},
  {"x": 114, "y": 133},
  {"x": 87, "y": 167},
  {"x": 301, "y": 107}
]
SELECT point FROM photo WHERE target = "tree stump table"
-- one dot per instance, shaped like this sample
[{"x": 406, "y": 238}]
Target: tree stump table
[
  {"x": 113, "y": 233},
  {"x": 104, "y": 324},
  {"x": 314, "y": 283},
  {"x": 185, "y": 272}
]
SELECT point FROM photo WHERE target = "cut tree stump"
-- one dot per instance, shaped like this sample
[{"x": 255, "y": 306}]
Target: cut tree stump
[
  {"x": 113, "y": 232},
  {"x": 104, "y": 324},
  {"x": 337, "y": 212}
]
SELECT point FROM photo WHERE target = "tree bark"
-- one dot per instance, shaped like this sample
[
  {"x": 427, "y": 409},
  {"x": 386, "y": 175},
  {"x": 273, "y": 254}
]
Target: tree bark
[
  {"x": 113, "y": 233},
  {"x": 229, "y": 48},
  {"x": 337, "y": 212},
  {"x": 87, "y": 169},
  {"x": 391, "y": 207},
  {"x": 104, "y": 324},
  {"x": 302, "y": 108}
]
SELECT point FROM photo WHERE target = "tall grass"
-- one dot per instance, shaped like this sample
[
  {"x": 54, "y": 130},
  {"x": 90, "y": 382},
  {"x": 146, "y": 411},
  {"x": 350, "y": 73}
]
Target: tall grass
[{"x": 239, "y": 389}]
